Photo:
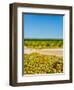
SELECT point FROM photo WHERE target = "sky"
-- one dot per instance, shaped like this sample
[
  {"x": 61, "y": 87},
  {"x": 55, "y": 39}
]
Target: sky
[{"x": 39, "y": 26}]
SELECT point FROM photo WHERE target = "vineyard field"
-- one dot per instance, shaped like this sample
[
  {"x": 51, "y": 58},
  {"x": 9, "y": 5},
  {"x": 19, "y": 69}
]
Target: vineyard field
[
  {"x": 43, "y": 56},
  {"x": 41, "y": 44}
]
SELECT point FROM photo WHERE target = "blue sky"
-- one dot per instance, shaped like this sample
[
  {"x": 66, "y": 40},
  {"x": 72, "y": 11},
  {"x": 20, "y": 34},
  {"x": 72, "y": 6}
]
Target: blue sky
[{"x": 43, "y": 26}]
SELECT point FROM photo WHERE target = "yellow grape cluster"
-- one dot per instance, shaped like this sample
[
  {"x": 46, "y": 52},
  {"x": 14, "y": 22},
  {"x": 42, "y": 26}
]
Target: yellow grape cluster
[{"x": 36, "y": 63}]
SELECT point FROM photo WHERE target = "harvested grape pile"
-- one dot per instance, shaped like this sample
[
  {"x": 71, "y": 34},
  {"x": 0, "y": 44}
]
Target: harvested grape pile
[{"x": 36, "y": 63}]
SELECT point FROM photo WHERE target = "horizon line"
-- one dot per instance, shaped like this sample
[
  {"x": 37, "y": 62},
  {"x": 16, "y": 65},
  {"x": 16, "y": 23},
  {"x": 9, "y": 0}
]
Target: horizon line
[{"x": 42, "y": 39}]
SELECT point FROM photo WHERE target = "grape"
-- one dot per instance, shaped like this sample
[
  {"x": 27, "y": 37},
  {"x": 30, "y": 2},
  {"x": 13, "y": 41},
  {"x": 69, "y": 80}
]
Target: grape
[{"x": 36, "y": 63}]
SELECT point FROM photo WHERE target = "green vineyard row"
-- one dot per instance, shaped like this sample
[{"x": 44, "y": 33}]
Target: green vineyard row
[{"x": 40, "y": 44}]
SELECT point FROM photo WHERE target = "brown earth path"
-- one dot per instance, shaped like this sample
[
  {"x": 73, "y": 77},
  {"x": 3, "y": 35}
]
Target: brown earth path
[{"x": 57, "y": 52}]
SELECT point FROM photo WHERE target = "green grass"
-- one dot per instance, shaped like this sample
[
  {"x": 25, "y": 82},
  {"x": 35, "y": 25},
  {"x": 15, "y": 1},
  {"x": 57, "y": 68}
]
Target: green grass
[
  {"x": 36, "y": 63},
  {"x": 43, "y": 43}
]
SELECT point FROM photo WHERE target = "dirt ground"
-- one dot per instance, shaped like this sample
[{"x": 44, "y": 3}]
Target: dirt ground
[{"x": 57, "y": 52}]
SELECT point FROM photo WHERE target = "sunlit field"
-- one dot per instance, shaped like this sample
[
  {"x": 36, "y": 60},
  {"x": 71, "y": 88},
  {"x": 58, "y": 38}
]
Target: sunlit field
[{"x": 38, "y": 58}]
